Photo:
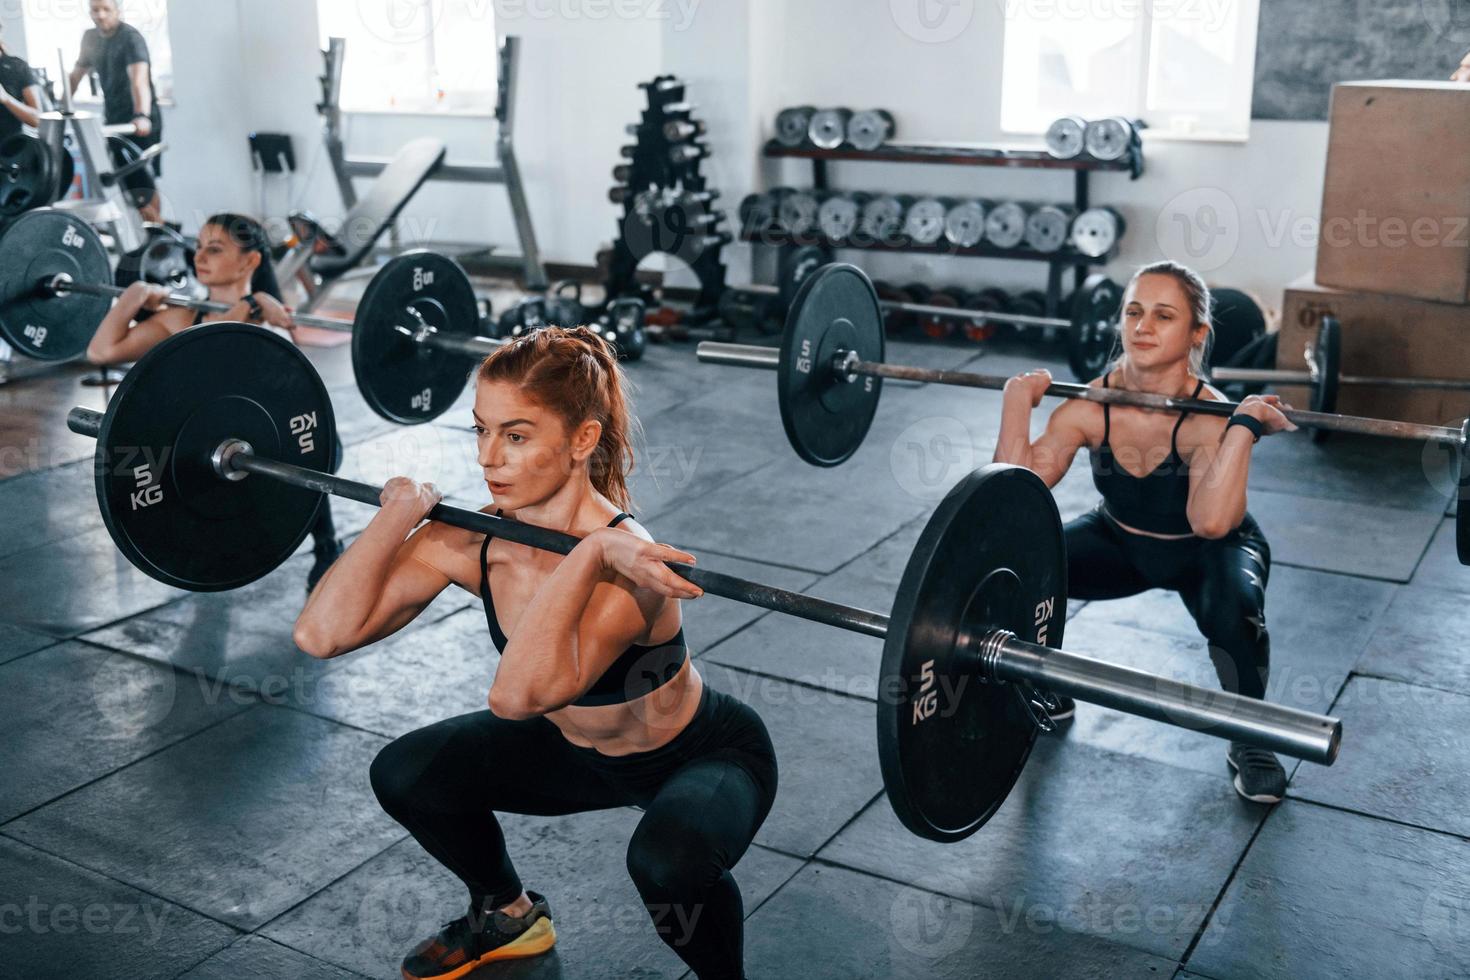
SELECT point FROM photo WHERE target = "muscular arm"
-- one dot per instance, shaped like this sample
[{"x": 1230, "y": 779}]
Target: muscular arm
[
  {"x": 142, "y": 89},
  {"x": 378, "y": 586},
  {"x": 1051, "y": 455},
  {"x": 27, "y": 108},
  {"x": 119, "y": 340},
  {"x": 75, "y": 76},
  {"x": 575, "y": 626},
  {"x": 1219, "y": 469}
]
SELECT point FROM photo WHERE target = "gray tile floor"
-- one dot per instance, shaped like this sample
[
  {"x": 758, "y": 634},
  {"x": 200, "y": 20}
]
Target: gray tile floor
[{"x": 182, "y": 793}]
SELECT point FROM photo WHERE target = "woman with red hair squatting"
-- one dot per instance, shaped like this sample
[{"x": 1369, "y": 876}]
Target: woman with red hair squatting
[{"x": 595, "y": 703}]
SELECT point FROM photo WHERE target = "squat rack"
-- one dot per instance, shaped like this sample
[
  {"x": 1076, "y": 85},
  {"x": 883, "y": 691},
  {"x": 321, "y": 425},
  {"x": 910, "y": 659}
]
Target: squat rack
[{"x": 506, "y": 171}]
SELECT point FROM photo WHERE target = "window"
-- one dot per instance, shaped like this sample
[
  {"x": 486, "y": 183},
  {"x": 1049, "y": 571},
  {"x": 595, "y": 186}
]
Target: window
[
  {"x": 414, "y": 55},
  {"x": 49, "y": 26},
  {"x": 1183, "y": 66}
]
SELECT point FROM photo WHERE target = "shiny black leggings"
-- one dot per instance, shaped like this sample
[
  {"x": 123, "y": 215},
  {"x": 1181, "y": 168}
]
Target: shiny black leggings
[
  {"x": 704, "y": 796},
  {"x": 1222, "y": 583}
]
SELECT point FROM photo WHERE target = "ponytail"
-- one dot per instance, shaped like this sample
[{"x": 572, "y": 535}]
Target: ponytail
[
  {"x": 575, "y": 373},
  {"x": 250, "y": 235}
]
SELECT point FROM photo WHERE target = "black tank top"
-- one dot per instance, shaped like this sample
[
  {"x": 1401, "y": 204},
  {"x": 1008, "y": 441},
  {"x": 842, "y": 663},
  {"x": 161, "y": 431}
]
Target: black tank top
[
  {"x": 639, "y": 671},
  {"x": 1157, "y": 502}
]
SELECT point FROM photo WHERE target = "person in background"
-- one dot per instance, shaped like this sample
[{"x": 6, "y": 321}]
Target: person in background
[
  {"x": 20, "y": 93},
  {"x": 20, "y": 97},
  {"x": 117, "y": 52}
]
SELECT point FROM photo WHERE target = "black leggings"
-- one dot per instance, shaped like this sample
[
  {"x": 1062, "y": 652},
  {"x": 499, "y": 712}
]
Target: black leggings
[
  {"x": 1222, "y": 583},
  {"x": 705, "y": 794}
]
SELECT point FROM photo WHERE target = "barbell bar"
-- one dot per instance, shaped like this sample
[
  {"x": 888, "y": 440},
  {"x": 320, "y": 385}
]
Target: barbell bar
[
  {"x": 1091, "y": 306},
  {"x": 1323, "y": 357},
  {"x": 830, "y": 368},
  {"x": 1322, "y": 377},
  {"x": 414, "y": 326},
  {"x": 211, "y": 464},
  {"x": 903, "y": 306}
]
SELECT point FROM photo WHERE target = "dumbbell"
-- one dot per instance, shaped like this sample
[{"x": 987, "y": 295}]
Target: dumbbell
[
  {"x": 883, "y": 217},
  {"x": 840, "y": 214},
  {"x": 924, "y": 222},
  {"x": 828, "y": 128},
  {"x": 687, "y": 153},
  {"x": 990, "y": 299},
  {"x": 792, "y": 125},
  {"x": 1096, "y": 231},
  {"x": 679, "y": 130},
  {"x": 1049, "y": 227},
  {"x": 964, "y": 223},
  {"x": 757, "y": 214},
  {"x": 937, "y": 326},
  {"x": 1005, "y": 224},
  {"x": 797, "y": 212},
  {"x": 1066, "y": 138},
  {"x": 870, "y": 129},
  {"x": 1109, "y": 138},
  {"x": 895, "y": 321}
]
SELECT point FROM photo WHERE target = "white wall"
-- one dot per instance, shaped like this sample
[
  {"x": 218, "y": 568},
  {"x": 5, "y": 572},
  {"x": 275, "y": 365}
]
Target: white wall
[
  {"x": 252, "y": 64},
  {"x": 837, "y": 52}
]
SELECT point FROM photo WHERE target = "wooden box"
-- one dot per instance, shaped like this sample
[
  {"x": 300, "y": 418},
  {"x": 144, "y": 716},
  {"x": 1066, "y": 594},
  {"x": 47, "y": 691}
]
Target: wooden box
[
  {"x": 1382, "y": 335},
  {"x": 1396, "y": 198}
]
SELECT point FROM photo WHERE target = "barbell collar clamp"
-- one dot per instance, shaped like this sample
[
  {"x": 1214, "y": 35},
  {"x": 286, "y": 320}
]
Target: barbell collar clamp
[{"x": 222, "y": 460}]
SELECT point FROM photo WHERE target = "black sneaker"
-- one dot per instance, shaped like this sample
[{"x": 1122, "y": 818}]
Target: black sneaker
[
  {"x": 1258, "y": 776},
  {"x": 326, "y": 553},
  {"x": 460, "y": 947}
]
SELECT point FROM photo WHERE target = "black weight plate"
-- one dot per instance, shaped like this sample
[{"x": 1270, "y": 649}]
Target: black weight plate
[
  {"x": 991, "y": 557},
  {"x": 402, "y": 380},
  {"x": 1327, "y": 355},
  {"x": 1094, "y": 333},
  {"x": 163, "y": 259},
  {"x": 28, "y": 173},
  {"x": 827, "y": 418},
  {"x": 797, "y": 264},
  {"x": 1462, "y": 506},
  {"x": 36, "y": 247},
  {"x": 1237, "y": 321},
  {"x": 66, "y": 172},
  {"x": 161, "y": 500}
]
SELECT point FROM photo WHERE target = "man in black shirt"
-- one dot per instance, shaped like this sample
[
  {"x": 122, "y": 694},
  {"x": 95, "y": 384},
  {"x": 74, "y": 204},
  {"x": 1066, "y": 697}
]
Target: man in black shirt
[
  {"x": 119, "y": 55},
  {"x": 20, "y": 94}
]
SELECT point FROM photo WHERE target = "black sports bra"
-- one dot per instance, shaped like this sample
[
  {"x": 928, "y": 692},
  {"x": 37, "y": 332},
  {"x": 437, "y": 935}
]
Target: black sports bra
[
  {"x": 1158, "y": 501},
  {"x": 638, "y": 672}
]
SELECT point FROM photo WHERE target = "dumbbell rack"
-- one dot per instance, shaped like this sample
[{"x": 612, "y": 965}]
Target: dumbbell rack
[
  {"x": 961, "y": 155},
  {"x": 666, "y": 202}
]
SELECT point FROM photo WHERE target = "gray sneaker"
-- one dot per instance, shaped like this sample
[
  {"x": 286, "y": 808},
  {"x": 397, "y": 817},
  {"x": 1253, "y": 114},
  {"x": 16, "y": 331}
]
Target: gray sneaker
[{"x": 1258, "y": 776}]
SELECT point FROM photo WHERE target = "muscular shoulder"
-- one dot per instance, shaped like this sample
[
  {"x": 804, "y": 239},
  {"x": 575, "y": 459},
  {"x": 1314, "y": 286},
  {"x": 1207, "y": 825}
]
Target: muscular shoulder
[
  {"x": 1201, "y": 429},
  {"x": 1077, "y": 415},
  {"x": 451, "y": 550},
  {"x": 173, "y": 318}
]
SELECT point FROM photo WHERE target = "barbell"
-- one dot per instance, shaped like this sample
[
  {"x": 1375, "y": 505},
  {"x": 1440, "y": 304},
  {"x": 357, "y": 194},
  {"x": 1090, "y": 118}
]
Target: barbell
[
  {"x": 1323, "y": 374},
  {"x": 211, "y": 464},
  {"x": 1090, "y": 306},
  {"x": 830, "y": 371},
  {"x": 413, "y": 326}
]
